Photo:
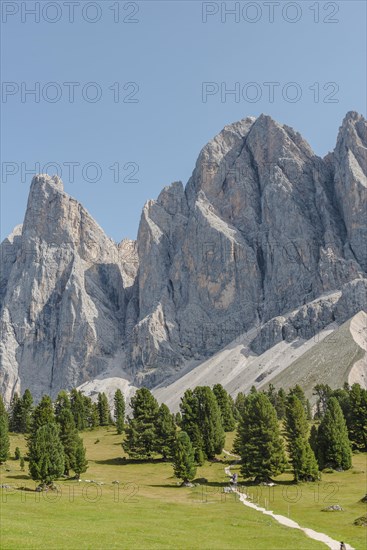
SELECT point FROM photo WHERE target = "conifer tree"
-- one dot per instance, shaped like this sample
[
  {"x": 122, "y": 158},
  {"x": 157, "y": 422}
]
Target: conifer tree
[
  {"x": 78, "y": 410},
  {"x": 313, "y": 439},
  {"x": 26, "y": 416},
  {"x": 15, "y": 414},
  {"x": 165, "y": 432},
  {"x": 240, "y": 404},
  {"x": 68, "y": 436},
  {"x": 4, "y": 435},
  {"x": 46, "y": 455},
  {"x": 323, "y": 392},
  {"x": 189, "y": 423},
  {"x": 201, "y": 419},
  {"x": 281, "y": 404},
  {"x": 184, "y": 458},
  {"x": 62, "y": 402},
  {"x": 260, "y": 444},
  {"x": 225, "y": 407},
  {"x": 103, "y": 409},
  {"x": 302, "y": 457},
  {"x": 42, "y": 414},
  {"x": 334, "y": 449},
  {"x": 119, "y": 402},
  {"x": 298, "y": 392},
  {"x": 357, "y": 418},
  {"x": 80, "y": 463},
  {"x": 140, "y": 440}
]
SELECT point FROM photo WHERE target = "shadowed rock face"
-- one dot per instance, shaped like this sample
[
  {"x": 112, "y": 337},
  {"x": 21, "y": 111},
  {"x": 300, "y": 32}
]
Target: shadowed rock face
[{"x": 263, "y": 227}]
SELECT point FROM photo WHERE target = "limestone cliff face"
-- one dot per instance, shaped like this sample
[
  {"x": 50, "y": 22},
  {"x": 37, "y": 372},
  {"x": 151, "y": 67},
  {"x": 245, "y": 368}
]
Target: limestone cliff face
[
  {"x": 64, "y": 295},
  {"x": 263, "y": 227}
]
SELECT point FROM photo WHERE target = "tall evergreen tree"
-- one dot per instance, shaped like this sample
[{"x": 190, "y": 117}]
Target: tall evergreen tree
[
  {"x": 27, "y": 407},
  {"x": 77, "y": 408},
  {"x": 15, "y": 414},
  {"x": 334, "y": 449},
  {"x": 225, "y": 407},
  {"x": 165, "y": 432},
  {"x": 62, "y": 401},
  {"x": 103, "y": 409},
  {"x": 42, "y": 414},
  {"x": 189, "y": 423},
  {"x": 91, "y": 414},
  {"x": 261, "y": 447},
  {"x": 119, "y": 402},
  {"x": 240, "y": 404},
  {"x": 281, "y": 404},
  {"x": 46, "y": 455},
  {"x": 4, "y": 435},
  {"x": 184, "y": 458},
  {"x": 140, "y": 440},
  {"x": 302, "y": 456},
  {"x": 201, "y": 419},
  {"x": 80, "y": 463},
  {"x": 357, "y": 417},
  {"x": 323, "y": 392},
  {"x": 313, "y": 439},
  {"x": 298, "y": 392},
  {"x": 68, "y": 436}
]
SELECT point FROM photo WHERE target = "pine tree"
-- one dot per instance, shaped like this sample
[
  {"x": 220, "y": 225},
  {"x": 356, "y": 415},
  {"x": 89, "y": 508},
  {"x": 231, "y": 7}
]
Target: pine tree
[
  {"x": 313, "y": 439},
  {"x": 184, "y": 458},
  {"x": 165, "y": 432},
  {"x": 68, "y": 436},
  {"x": 17, "y": 453},
  {"x": 77, "y": 408},
  {"x": 140, "y": 441},
  {"x": 80, "y": 463},
  {"x": 225, "y": 407},
  {"x": 26, "y": 417},
  {"x": 189, "y": 423},
  {"x": 90, "y": 412},
  {"x": 281, "y": 404},
  {"x": 201, "y": 419},
  {"x": 4, "y": 435},
  {"x": 298, "y": 392},
  {"x": 103, "y": 409},
  {"x": 42, "y": 414},
  {"x": 357, "y": 418},
  {"x": 323, "y": 392},
  {"x": 15, "y": 414},
  {"x": 302, "y": 457},
  {"x": 46, "y": 455},
  {"x": 178, "y": 419},
  {"x": 119, "y": 412},
  {"x": 240, "y": 404},
  {"x": 334, "y": 449},
  {"x": 62, "y": 402},
  {"x": 261, "y": 447}
]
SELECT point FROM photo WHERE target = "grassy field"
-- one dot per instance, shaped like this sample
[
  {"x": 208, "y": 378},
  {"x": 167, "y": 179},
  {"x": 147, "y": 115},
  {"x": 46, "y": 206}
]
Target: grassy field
[{"x": 147, "y": 509}]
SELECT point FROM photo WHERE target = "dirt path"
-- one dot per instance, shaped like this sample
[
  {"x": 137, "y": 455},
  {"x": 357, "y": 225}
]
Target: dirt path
[{"x": 321, "y": 537}]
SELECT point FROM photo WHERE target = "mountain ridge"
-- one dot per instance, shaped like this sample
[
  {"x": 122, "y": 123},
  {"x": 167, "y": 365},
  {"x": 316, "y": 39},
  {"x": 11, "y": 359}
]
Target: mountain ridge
[{"x": 263, "y": 227}]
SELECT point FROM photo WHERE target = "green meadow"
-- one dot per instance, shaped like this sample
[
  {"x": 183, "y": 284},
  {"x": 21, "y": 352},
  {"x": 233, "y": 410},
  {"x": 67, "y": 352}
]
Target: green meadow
[{"x": 148, "y": 508}]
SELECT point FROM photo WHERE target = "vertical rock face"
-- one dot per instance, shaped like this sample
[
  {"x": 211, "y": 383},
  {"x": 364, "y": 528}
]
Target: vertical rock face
[
  {"x": 64, "y": 299},
  {"x": 263, "y": 227}
]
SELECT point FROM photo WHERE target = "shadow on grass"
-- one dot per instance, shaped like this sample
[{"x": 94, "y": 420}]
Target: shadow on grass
[
  {"x": 20, "y": 476},
  {"x": 123, "y": 460}
]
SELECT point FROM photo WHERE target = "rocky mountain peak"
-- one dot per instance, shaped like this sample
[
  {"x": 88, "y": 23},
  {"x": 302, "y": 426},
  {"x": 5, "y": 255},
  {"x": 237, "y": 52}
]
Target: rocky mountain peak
[{"x": 264, "y": 227}]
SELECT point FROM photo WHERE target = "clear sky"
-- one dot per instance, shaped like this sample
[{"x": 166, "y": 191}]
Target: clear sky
[{"x": 148, "y": 113}]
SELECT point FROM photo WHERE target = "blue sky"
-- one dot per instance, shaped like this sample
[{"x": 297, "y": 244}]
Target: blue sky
[{"x": 148, "y": 67}]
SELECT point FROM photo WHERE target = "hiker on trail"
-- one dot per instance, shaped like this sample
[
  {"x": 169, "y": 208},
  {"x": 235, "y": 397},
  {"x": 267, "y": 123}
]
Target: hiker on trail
[
  {"x": 234, "y": 479},
  {"x": 342, "y": 546}
]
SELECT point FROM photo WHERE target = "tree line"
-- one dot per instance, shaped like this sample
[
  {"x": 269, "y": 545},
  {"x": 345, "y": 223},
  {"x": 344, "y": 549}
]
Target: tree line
[{"x": 274, "y": 430}]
